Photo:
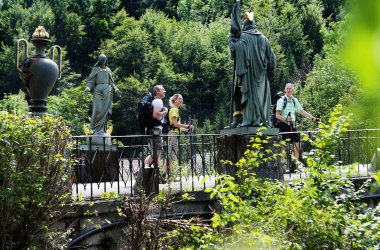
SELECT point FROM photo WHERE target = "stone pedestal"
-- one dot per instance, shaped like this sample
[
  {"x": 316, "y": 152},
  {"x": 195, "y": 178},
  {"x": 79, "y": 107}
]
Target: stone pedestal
[
  {"x": 234, "y": 143},
  {"x": 99, "y": 140},
  {"x": 101, "y": 164}
]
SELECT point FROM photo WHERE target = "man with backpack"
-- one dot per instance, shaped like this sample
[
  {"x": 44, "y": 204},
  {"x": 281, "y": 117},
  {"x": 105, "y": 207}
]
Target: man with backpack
[
  {"x": 153, "y": 126},
  {"x": 286, "y": 109}
]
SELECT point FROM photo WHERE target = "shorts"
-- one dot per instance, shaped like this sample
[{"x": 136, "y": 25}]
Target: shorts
[
  {"x": 156, "y": 140},
  {"x": 173, "y": 146},
  {"x": 284, "y": 128}
]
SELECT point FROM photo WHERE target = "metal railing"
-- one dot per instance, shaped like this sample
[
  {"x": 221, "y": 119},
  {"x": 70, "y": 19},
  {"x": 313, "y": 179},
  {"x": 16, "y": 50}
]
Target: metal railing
[{"x": 108, "y": 170}]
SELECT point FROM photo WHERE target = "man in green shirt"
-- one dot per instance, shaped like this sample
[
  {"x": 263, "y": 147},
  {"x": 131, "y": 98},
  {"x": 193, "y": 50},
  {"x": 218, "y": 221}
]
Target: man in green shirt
[{"x": 287, "y": 117}]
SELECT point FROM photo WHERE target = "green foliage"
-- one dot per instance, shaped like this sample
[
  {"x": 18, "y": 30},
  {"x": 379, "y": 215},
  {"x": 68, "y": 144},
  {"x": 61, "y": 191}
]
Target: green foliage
[
  {"x": 360, "y": 54},
  {"x": 322, "y": 211},
  {"x": 124, "y": 109},
  {"x": 188, "y": 54},
  {"x": 14, "y": 104},
  {"x": 329, "y": 77},
  {"x": 72, "y": 106},
  {"x": 157, "y": 50},
  {"x": 34, "y": 181},
  {"x": 9, "y": 78}
]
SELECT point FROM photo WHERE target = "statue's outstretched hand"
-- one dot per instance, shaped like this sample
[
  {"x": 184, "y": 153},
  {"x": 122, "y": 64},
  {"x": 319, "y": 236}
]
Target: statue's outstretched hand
[
  {"x": 86, "y": 91},
  {"x": 118, "y": 92}
]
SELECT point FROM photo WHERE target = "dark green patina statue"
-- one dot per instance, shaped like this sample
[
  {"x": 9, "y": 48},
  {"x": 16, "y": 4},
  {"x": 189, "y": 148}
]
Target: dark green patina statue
[
  {"x": 101, "y": 85},
  {"x": 255, "y": 66},
  {"x": 39, "y": 72}
]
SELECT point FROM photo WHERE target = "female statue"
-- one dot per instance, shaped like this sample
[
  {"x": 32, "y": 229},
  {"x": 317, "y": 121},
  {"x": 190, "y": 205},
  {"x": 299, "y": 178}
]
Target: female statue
[{"x": 102, "y": 86}]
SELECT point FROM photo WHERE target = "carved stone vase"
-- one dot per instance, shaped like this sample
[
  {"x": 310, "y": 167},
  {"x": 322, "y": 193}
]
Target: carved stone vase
[{"x": 38, "y": 73}]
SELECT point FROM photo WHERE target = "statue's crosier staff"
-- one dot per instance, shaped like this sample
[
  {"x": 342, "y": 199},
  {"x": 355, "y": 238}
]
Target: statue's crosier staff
[{"x": 235, "y": 31}]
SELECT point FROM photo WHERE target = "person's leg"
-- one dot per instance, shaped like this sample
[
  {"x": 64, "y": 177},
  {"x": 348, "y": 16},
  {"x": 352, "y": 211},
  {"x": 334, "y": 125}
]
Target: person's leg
[
  {"x": 283, "y": 151},
  {"x": 157, "y": 153},
  {"x": 296, "y": 145},
  {"x": 284, "y": 128},
  {"x": 158, "y": 148},
  {"x": 137, "y": 186},
  {"x": 170, "y": 152},
  {"x": 296, "y": 150},
  {"x": 148, "y": 160}
]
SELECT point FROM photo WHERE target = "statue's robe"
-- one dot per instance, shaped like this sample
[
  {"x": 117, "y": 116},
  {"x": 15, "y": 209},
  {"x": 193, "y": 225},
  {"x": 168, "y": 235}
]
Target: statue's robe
[
  {"x": 101, "y": 85},
  {"x": 255, "y": 67}
]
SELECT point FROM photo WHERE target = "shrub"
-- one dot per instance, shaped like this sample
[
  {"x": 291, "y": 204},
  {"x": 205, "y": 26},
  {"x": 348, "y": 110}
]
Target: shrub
[
  {"x": 322, "y": 211},
  {"x": 34, "y": 178}
]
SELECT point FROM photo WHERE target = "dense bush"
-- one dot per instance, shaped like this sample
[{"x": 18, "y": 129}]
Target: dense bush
[
  {"x": 34, "y": 180},
  {"x": 323, "y": 211}
]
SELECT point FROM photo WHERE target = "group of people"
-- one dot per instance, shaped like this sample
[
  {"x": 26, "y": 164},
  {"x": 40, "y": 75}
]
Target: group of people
[
  {"x": 158, "y": 115},
  {"x": 255, "y": 68}
]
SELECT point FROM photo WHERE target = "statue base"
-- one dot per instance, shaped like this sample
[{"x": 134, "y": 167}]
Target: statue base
[
  {"x": 99, "y": 140},
  {"x": 250, "y": 131},
  {"x": 100, "y": 164},
  {"x": 234, "y": 143}
]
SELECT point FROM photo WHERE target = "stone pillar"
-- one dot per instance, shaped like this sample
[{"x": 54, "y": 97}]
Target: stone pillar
[
  {"x": 147, "y": 179},
  {"x": 233, "y": 143}
]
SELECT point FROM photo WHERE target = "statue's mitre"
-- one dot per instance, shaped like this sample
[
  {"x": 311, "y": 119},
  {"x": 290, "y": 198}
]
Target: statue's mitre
[{"x": 248, "y": 15}]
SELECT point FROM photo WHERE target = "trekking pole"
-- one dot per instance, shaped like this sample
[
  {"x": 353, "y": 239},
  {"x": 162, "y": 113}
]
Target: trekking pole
[
  {"x": 290, "y": 123},
  {"x": 191, "y": 152},
  {"x": 235, "y": 31},
  {"x": 190, "y": 130},
  {"x": 289, "y": 157}
]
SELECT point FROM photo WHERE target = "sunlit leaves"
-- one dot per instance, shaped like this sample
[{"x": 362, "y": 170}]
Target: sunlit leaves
[{"x": 34, "y": 175}]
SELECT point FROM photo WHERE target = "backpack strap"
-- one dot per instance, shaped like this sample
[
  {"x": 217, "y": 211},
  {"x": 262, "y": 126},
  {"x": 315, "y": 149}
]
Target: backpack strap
[{"x": 286, "y": 102}]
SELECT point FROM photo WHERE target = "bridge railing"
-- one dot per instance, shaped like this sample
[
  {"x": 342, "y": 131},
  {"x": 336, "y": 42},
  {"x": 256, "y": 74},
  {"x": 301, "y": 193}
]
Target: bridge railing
[
  {"x": 358, "y": 147},
  {"x": 106, "y": 170}
]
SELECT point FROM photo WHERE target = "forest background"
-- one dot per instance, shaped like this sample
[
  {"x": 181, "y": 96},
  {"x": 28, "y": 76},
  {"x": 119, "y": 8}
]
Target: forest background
[{"x": 181, "y": 44}]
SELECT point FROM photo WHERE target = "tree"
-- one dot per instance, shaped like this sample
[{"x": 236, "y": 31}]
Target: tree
[
  {"x": 23, "y": 22},
  {"x": 72, "y": 106},
  {"x": 331, "y": 80}
]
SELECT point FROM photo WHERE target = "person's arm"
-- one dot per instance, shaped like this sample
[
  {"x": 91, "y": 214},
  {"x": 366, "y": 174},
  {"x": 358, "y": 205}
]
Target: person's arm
[
  {"x": 282, "y": 118},
  {"x": 112, "y": 83},
  {"x": 90, "y": 82},
  {"x": 180, "y": 125},
  {"x": 158, "y": 113},
  {"x": 308, "y": 115},
  {"x": 279, "y": 115}
]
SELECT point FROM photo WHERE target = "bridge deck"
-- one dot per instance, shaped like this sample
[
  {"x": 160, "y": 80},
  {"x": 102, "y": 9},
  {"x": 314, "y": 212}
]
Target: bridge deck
[{"x": 186, "y": 184}]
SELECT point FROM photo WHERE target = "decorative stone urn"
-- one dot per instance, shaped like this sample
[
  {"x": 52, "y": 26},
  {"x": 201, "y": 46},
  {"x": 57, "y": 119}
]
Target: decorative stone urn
[{"x": 38, "y": 73}]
